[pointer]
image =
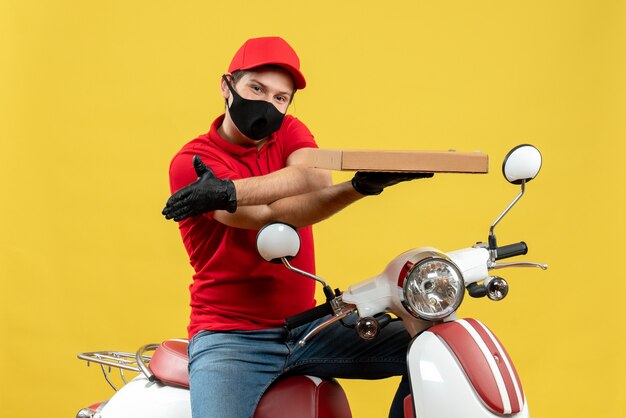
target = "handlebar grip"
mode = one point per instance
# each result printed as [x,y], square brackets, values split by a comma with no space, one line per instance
[511,250]
[308,316]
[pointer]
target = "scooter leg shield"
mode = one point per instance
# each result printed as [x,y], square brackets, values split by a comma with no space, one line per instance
[455,372]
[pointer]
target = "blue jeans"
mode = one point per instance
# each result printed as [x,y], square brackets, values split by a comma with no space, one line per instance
[229,371]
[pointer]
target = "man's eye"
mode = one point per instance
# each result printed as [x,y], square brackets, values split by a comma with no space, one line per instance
[281,99]
[257,89]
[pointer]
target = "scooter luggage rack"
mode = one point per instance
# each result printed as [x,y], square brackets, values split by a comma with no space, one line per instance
[114,359]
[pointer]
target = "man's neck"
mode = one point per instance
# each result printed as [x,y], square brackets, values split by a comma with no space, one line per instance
[229,132]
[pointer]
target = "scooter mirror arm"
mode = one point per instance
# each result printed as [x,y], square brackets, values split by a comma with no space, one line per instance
[302,272]
[328,291]
[492,236]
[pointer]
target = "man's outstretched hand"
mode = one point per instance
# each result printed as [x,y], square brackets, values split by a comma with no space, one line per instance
[374,182]
[206,194]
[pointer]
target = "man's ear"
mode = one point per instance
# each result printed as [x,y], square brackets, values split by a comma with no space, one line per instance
[223,87]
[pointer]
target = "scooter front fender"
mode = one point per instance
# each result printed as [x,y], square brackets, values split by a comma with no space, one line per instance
[459,368]
[141,398]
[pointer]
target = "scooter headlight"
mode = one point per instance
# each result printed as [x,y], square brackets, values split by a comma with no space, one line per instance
[433,288]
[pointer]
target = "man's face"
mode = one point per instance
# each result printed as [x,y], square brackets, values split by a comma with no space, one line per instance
[271,84]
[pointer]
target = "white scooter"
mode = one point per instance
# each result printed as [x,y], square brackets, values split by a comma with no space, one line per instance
[457,367]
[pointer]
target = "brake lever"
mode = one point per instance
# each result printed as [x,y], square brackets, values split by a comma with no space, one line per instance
[337,317]
[495,266]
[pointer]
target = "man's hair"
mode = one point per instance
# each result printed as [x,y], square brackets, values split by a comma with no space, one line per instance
[238,75]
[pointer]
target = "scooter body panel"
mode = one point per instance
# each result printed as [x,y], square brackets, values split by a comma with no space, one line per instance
[140,398]
[442,388]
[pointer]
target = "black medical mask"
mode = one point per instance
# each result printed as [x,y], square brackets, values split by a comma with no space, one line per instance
[256,119]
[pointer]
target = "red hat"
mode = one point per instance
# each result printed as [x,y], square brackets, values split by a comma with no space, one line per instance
[268,51]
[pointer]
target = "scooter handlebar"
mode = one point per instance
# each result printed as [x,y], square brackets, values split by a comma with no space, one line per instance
[308,316]
[511,250]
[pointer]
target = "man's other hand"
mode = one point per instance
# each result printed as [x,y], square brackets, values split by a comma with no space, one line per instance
[374,182]
[206,194]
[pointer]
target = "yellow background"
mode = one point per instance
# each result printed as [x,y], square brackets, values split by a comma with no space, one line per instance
[95,98]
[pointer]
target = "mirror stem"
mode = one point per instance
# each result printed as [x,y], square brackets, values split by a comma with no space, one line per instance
[328,291]
[492,236]
[302,272]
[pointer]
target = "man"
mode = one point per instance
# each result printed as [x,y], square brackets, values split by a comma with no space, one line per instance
[245,172]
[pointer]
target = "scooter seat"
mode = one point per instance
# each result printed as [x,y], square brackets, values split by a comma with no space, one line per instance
[290,396]
[304,397]
[169,363]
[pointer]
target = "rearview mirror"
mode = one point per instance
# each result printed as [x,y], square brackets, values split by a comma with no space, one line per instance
[521,164]
[276,241]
